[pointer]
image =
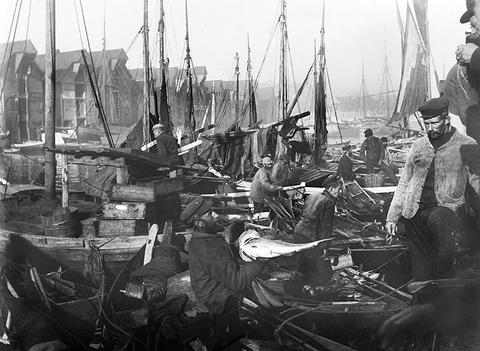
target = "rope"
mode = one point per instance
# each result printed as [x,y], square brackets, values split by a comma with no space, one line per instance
[333,101]
[459,70]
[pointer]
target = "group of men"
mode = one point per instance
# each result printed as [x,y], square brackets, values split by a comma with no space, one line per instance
[439,184]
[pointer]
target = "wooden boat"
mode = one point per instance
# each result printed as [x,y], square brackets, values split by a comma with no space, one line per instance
[48,253]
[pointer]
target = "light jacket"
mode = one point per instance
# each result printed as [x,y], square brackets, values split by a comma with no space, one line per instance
[457,163]
[262,184]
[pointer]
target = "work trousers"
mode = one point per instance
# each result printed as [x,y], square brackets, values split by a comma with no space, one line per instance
[431,238]
[370,166]
[221,331]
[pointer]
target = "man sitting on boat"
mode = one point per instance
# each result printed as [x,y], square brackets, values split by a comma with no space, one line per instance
[217,281]
[431,193]
[263,184]
[371,151]
[345,165]
[316,223]
[166,145]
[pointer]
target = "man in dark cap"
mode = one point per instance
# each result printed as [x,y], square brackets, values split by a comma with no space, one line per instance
[218,280]
[345,165]
[166,145]
[462,85]
[431,193]
[371,151]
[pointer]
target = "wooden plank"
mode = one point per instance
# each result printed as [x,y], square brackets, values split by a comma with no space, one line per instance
[133,193]
[124,210]
[101,161]
[152,236]
[121,227]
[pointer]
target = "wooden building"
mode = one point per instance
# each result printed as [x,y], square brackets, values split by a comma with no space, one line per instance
[177,92]
[22,100]
[120,95]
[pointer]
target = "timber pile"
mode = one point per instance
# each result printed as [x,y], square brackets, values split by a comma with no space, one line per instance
[124,214]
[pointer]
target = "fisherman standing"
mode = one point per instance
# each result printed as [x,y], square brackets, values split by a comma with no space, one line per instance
[318,213]
[431,193]
[217,281]
[345,165]
[166,145]
[262,185]
[371,150]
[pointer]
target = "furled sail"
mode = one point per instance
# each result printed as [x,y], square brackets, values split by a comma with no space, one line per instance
[414,83]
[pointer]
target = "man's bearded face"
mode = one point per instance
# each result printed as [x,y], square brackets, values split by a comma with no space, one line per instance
[435,126]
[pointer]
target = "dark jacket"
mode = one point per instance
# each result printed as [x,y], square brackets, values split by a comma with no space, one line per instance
[317,217]
[167,148]
[345,168]
[215,273]
[280,173]
[372,150]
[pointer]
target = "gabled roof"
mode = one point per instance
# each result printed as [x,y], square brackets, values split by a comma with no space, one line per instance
[16,47]
[173,73]
[65,59]
[217,84]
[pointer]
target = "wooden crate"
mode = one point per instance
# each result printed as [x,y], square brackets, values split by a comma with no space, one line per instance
[374,180]
[121,227]
[133,193]
[124,210]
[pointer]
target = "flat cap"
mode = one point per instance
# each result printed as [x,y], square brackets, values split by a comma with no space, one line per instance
[368,132]
[198,207]
[469,13]
[434,107]
[158,125]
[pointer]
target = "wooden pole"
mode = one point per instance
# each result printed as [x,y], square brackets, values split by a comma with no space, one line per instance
[161,46]
[237,90]
[64,181]
[50,162]
[146,76]
[27,102]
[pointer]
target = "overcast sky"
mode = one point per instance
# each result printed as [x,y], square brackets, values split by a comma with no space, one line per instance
[355,31]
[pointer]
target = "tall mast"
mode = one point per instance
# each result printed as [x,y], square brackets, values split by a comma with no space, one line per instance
[237,89]
[283,86]
[161,46]
[146,76]
[251,98]
[320,140]
[386,84]
[104,62]
[50,162]
[190,118]
[212,120]
[364,93]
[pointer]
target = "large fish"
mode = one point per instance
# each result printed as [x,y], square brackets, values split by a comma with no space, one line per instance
[252,246]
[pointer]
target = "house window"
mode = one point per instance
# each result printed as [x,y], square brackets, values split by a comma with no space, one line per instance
[116,106]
